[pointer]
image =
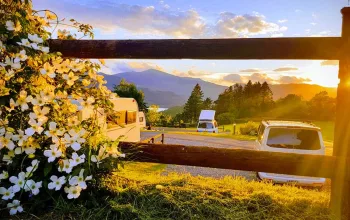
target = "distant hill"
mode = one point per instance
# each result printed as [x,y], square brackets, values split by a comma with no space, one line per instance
[174,110]
[306,90]
[167,90]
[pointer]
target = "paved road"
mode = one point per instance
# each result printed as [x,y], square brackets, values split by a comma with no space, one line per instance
[194,140]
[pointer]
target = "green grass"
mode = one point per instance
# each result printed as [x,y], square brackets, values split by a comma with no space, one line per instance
[140,191]
[327,128]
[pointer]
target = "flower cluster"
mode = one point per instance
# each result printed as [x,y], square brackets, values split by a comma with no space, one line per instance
[44,142]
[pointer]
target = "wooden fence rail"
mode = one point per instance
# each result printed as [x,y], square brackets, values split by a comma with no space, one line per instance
[237,159]
[318,48]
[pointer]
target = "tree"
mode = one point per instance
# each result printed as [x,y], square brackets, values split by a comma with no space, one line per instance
[153,115]
[266,97]
[322,107]
[129,90]
[193,105]
[207,104]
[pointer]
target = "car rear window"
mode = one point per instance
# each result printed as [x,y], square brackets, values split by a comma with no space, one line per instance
[294,138]
[206,125]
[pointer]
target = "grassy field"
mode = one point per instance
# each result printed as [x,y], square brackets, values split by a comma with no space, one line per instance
[140,192]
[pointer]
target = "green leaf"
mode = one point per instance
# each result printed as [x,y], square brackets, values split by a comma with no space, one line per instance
[47,169]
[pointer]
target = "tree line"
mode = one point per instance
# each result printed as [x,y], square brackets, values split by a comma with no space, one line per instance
[239,101]
[255,100]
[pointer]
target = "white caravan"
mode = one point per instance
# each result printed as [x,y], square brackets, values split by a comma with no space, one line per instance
[142,119]
[123,122]
[290,137]
[207,122]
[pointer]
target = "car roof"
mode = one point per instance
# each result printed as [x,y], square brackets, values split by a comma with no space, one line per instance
[286,123]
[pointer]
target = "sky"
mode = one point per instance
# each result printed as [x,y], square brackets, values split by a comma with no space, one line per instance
[165,19]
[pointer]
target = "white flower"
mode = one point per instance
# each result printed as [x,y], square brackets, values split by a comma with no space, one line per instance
[22,100]
[36,127]
[22,55]
[2,131]
[76,66]
[74,139]
[70,78]
[102,154]
[35,38]
[53,153]
[13,62]
[4,175]
[53,132]
[24,42]
[8,157]
[35,46]
[7,142]
[76,159]
[33,186]
[79,180]
[56,182]
[39,100]
[73,192]
[12,27]
[7,193]
[48,70]
[15,207]
[20,137]
[45,50]
[18,181]
[31,169]
[66,167]
[40,113]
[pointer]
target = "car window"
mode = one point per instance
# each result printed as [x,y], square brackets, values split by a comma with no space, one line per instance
[206,125]
[294,138]
[261,132]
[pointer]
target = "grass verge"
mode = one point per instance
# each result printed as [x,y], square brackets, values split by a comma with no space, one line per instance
[140,192]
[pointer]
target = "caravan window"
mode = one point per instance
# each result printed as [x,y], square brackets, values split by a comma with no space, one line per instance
[130,117]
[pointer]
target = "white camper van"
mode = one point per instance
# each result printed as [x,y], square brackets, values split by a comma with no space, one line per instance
[142,119]
[207,122]
[124,121]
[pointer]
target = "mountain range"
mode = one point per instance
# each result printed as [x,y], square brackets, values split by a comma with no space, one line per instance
[167,90]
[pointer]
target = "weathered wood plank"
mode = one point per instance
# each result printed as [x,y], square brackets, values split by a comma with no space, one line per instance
[340,194]
[319,48]
[237,159]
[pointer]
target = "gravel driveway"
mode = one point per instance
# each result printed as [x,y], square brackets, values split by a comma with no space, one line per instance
[194,140]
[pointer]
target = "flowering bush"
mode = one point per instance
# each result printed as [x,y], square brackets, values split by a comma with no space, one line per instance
[44,147]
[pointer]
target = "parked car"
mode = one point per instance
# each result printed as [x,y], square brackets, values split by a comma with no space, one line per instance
[290,137]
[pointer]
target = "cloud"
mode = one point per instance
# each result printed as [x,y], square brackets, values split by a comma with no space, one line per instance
[259,77]
[298,10]
[282,21]
[285,69]
[108,15]
[330,63]
[250,70]
[233,78]
[232,25]
[292,79]
[191,73]
[313,23]
[160,20]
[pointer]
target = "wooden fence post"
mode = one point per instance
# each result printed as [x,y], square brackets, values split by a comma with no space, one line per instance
[340,195]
